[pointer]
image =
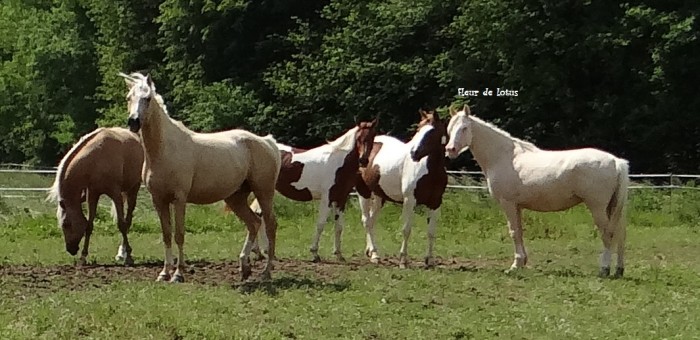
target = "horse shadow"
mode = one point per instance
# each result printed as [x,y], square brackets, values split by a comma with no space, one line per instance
[274,286]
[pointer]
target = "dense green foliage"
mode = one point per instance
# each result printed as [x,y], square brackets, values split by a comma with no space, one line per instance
[619,76]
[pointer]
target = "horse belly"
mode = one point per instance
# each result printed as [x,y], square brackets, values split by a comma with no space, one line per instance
[212,194]
[549,202]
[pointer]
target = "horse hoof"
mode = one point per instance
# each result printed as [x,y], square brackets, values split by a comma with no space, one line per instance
[619,272]
[340,257]
[604,272]
[316,259]
[511,270]
[129,261]
[177,278]
[429,263]
[163,277]
[118,258]
[266,276]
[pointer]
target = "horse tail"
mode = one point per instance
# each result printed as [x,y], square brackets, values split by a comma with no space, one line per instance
[618,204]
[273,145]
[54,191]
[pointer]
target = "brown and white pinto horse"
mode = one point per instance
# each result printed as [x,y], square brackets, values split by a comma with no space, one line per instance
[327,173]
[409,173]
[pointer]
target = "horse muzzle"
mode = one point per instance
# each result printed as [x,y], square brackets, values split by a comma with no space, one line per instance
[414,156]
[134,124]
[72,249]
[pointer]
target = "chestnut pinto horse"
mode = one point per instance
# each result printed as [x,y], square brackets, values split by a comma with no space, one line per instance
[327,173]
[409,173]
[183,166]
[105,161]
[522,176]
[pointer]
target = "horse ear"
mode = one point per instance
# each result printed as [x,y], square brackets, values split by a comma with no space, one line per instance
[466,109]
[149,81]
[354,118]
[452,111]
[127,79]
[423,114]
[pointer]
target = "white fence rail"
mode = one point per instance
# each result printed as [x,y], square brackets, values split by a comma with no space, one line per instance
[672,178]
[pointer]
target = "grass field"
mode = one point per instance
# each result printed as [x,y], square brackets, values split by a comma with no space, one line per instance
[42,295]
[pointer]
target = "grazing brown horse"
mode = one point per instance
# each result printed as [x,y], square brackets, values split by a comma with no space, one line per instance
[106,161]
[409,173]
[327,173]
[183,166]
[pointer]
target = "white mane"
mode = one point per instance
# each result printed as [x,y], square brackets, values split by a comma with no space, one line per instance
[346,142]
[54,192]
[524,144]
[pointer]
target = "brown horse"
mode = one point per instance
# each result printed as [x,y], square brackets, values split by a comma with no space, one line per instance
[183,166]
[106,161]
[410,173]
[326,173]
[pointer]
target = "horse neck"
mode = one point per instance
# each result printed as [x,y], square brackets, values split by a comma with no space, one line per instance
[436,159]
[489,145]
[155,131]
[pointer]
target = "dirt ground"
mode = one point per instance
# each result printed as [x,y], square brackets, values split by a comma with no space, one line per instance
[25,281]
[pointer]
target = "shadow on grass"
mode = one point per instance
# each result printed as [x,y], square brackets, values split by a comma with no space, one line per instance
[272,287]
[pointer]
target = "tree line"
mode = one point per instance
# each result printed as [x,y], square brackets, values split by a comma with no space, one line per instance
[619,76]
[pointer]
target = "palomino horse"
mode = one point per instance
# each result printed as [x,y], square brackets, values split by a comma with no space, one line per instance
[411,173]
[105,161]
[326,173]
[522,176]
[183,166]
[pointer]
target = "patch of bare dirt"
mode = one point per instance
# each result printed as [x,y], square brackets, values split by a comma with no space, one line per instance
[25,280]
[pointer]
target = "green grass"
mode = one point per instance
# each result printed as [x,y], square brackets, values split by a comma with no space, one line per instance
[558,296]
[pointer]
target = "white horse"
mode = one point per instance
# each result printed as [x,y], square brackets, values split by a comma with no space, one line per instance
[410,173]
[522,176]
[183,166]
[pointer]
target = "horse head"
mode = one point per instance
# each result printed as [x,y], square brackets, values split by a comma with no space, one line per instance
[430,137]
[364,139]
[460,132]
[141,93]
[72,222]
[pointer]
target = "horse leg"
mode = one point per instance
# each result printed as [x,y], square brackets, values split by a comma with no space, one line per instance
[339,224]
[259,244]
[409,204]
[370,211]
[620,238]
[323,211]
[179,206]
[238,203]
[131,205]
[433,216]
[163,209]
[266,198]
[92,200]
[260,248]
[514,215]
[118,214]
[601,220]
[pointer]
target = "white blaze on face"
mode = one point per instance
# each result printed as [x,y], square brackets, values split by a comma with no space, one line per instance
[140,91]
[458,130]
[418,138]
